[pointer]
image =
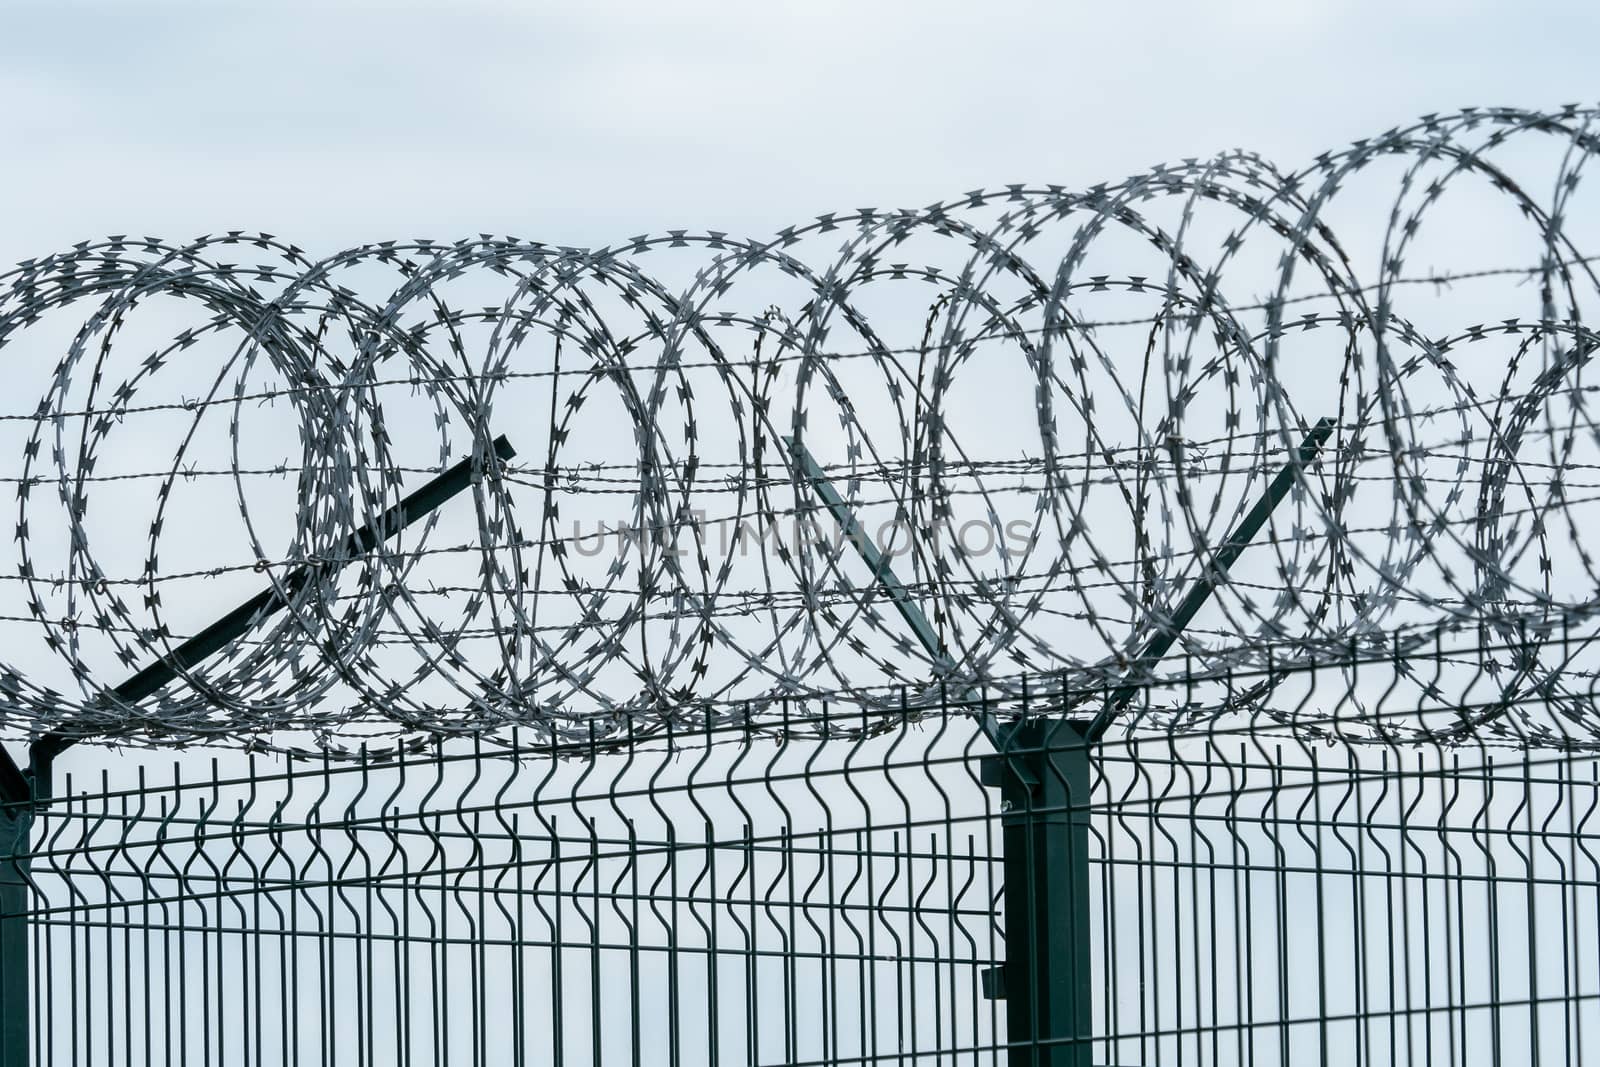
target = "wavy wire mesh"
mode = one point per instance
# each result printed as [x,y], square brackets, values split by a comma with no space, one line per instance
[1252,898]
[723,807]
[1050,405]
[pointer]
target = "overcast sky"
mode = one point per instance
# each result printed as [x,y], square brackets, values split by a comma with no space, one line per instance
[585,123]
[577,123]
[580,123]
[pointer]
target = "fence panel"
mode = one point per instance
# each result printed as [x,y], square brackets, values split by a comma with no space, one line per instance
[729,898]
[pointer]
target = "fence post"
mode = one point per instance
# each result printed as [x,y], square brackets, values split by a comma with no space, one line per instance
[1047,980]
[14,999]
[19,790]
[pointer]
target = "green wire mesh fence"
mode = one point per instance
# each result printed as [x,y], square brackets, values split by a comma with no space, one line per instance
[1244,895]
[976,475]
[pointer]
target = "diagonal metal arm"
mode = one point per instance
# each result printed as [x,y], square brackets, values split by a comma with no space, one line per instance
[426,499]
[1232,548]
[882,573]
[1046,779]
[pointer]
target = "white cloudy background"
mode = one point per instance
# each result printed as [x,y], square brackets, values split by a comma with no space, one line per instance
[580,123]
[332,125]
[577,123]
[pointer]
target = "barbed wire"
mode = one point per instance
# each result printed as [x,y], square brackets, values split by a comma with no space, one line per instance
[812,521]
[674,363]
[943,369]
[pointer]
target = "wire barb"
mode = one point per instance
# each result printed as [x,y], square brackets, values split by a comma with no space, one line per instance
[1045,410]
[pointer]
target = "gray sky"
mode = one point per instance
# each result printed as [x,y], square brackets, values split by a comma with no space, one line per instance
[332,125]
[335,123]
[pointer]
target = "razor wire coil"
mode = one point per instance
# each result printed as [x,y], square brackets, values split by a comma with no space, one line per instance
[952,372]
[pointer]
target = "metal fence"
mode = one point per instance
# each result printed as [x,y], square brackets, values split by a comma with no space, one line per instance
[1021,450]
[720,896]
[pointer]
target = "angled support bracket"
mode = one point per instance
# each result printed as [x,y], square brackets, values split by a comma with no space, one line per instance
[1044,772]
[20,790]
[1206,584]
[19,786]
[883,574]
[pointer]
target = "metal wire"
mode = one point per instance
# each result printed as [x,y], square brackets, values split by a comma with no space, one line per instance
[717,897]
[1092,384]
[626,755]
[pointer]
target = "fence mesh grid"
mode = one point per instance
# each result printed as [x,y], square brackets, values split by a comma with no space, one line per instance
[724,897]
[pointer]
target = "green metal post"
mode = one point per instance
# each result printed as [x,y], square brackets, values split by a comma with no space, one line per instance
[14,999]
[20,790]
[1048,973]
[1043,770]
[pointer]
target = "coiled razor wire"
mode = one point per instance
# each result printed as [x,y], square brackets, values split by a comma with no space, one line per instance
[1047,406]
